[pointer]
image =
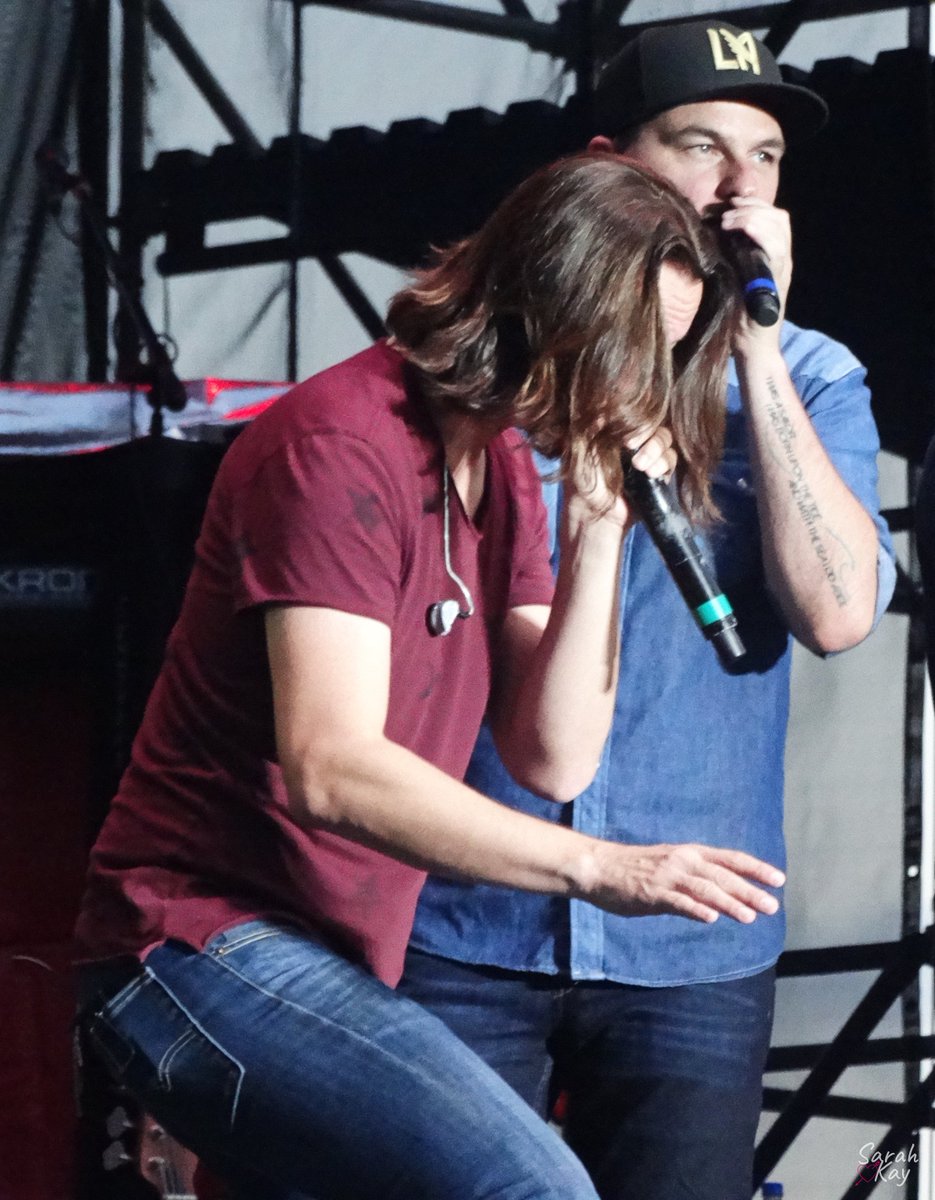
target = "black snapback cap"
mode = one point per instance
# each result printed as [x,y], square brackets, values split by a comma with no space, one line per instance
[669,65]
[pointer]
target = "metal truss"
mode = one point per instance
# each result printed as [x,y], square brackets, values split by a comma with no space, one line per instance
[584,34]
[898,964]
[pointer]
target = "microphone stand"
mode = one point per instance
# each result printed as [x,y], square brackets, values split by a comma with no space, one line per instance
[165,389]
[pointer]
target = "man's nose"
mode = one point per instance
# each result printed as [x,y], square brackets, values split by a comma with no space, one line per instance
[738,179]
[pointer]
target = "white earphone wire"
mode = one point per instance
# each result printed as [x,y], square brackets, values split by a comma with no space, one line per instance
[446,542]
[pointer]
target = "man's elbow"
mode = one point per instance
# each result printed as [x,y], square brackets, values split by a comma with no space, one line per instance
[837,631]
[311,790]
[558,780]
[565,787]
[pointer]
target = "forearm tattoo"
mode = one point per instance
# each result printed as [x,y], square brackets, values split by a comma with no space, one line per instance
[807,506]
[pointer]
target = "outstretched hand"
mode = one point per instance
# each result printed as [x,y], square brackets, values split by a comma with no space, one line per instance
[700,882]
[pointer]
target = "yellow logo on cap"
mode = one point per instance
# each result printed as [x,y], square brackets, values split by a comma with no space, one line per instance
[741,45]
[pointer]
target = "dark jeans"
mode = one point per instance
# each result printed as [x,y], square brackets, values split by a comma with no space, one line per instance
[662,1086]
[289,1070]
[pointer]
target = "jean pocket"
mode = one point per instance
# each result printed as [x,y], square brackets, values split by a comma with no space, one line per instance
[241,936]
[152,1046]
[109,1044]
[195,1070]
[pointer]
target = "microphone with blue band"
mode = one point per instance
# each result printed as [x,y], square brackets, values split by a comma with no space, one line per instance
[760,294]
[673,537]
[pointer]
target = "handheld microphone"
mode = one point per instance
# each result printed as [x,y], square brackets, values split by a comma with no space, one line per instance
[751,266]
[672,534]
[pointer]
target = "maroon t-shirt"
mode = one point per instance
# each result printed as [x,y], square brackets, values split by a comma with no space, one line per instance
[331,498]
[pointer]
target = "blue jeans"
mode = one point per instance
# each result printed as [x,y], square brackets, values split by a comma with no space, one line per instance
[288,1069]
[662,1086]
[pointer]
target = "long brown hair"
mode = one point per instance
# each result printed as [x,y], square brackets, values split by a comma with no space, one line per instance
[549,318]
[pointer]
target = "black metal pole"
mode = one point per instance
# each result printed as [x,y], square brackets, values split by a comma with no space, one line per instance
[296,206]
[764,16]
[132,134]
[538,35]
[93,123]
[163,23]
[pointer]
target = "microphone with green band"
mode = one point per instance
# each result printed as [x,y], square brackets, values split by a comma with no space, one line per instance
[672,534]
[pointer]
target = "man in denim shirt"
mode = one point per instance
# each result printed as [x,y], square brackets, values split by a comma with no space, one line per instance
[656,1029]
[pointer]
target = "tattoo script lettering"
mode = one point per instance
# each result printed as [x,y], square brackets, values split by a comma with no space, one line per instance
[805,502]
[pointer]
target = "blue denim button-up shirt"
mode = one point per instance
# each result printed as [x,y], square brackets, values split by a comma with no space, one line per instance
[695,753]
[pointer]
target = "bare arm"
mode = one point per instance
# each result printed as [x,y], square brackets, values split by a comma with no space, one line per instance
[330,673]
[819,543]
[553,702]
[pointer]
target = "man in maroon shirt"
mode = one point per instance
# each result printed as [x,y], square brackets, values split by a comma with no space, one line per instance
[371,576]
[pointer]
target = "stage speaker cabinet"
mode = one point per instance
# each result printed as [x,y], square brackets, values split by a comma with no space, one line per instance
[94,554]
[862,199]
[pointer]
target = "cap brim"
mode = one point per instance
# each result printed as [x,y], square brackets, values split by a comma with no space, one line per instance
[799,111]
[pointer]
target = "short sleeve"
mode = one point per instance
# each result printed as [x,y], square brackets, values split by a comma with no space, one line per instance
[319,523]
[832,385]
[531,579]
